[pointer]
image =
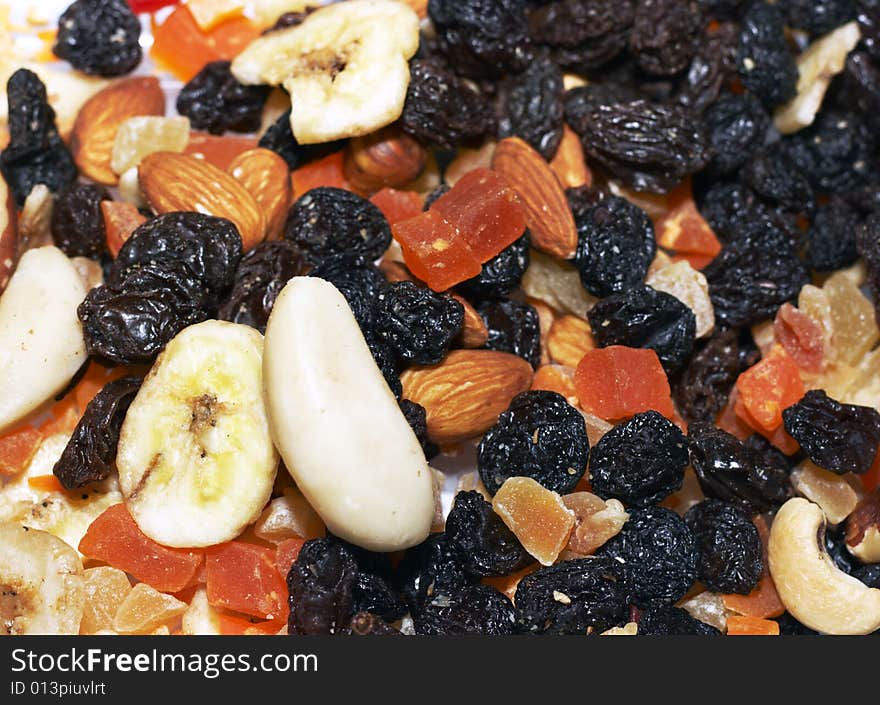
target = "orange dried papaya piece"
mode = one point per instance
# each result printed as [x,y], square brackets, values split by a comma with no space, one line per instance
[769,387]
[17,448]
[326,171]
[801,336]
[751,626]
[397,205]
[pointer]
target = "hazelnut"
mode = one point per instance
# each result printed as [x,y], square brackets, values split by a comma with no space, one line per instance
[384,158]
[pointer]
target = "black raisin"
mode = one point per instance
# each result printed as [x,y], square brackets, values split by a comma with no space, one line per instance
[662,619]
[578,596]
[259,278]
[481,38]
[753,276]
[441,109]
[359,280]
[540,436]
[730,547]
[418,324]
[279,138]
[501,274]
[476,609]
[737,126]
[374,594]
[434,196]
[36,154]
[209,247]
[704,386]
[320,586]
[659,554]
[665,35]
[99,37]
[723,9]
[789,626]
[77,222]
[835,547]
[532,107]
[831,239]
[819,16]
[513,327]
[368,624]
[416,417]
[868,574]
[91,451]
[430,570]
[290,19]
[838,437]
[769,174]
[868,245]
[386,361]
[765,62]
[329,221]
[581,24]
[581,101]
[215,101]
[616,245]
[483,543]
[639,462]
[649,147]
[646,318]
[728,469]
[713,68]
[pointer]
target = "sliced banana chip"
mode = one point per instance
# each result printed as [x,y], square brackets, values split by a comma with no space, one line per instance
[196,461]
[42,590]
[345,67]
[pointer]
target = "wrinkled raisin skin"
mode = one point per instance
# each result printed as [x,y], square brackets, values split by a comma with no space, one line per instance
[320,585]
[644,317]
[419,324]
[483,543]
[730,547]
[513,327]
[640,462]
[539,436]
[416,417]
[663,619]
[839,437]
[665,35]
[476,609]
[573,597]
[99,37]
[91,450]
[36,154]
[660,554]
[766,65]
[737,126]
[279,138]
[77,222]
[327,221]
[501,274]
[831,239]
[259,278]
[430,570]
[215,101]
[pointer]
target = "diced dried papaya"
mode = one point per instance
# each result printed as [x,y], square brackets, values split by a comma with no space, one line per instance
[727,419]
[138,6]
[231,624]
[210,13]
[871,479]
[616,382]
[751,626]
[397,205]
[769,387]
[555,378]
[537,516]
[286,553]
[244,577]
[801,336]
[17,448]
[763,602]
[219,150]
[45,483]
[434,251]
[507,583]
[146,609]
[684,230]
[485,210]
[114,538]
[120,221]
[326,171]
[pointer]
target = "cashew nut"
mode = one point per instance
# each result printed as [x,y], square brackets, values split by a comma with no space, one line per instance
[810,586]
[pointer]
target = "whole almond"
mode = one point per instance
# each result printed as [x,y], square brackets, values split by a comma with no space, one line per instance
[387,157]
[94,131]
[266,177]
[568,163]
[180,182]
[570,338]
[474,332]
[465,393]
[547,213]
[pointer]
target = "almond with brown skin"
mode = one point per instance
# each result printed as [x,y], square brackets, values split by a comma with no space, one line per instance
[387,157]
[474,332]
[570,338]
[548,216]
[180,182]
[568,163]
[94,131]
[266,177]
[465,393]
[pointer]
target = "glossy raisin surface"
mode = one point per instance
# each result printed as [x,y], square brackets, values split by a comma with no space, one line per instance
[416,417]
[540,436]
[77,223]
[483,543]
[662,619]
[279,138]
[320,586]
[513,327]
[737,126]
[431,570]
[359,280]
[99,37]
[91,451]
[501,274]
[215,101]
[665,35]
[839,437]
[640,462]
[831,239]
[476,609]
[573,597]
[765,62]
